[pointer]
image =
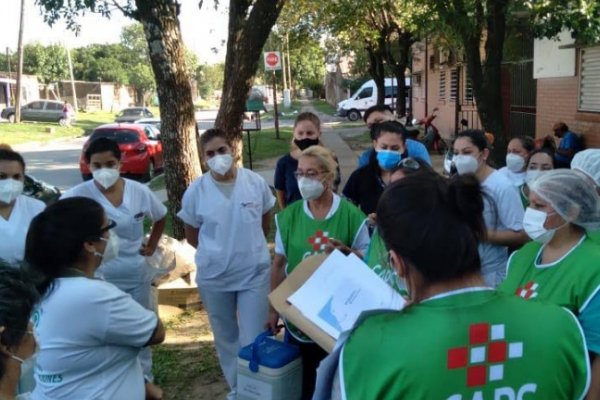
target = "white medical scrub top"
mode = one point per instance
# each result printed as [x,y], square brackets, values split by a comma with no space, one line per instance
[502,211]
[516,178]
[13,231]
[232,250]
[129,268]
[89,334]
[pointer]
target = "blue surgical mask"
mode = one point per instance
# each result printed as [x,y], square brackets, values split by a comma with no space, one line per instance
[388,159]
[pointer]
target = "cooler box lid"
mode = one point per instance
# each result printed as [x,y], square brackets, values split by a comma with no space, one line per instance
[270,353]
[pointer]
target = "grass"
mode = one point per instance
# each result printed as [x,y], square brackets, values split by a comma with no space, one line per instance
[265,145]
[284,113]
[40,131]
[358,142]
[324,107]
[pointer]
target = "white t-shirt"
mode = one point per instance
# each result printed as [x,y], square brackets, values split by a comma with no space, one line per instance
[516,178]
[129,268]
[89,334]
[361,241]
[14,230]
[232,250]
[503,211]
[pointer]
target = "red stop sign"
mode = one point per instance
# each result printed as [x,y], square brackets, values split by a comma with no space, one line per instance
[272,59]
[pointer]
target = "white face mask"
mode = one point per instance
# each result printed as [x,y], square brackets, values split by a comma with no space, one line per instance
[10,189]
[533,223]
[310,189]
[532,175]
[465,164]
[220,163]
[514,162]
[106,177]
[111,251]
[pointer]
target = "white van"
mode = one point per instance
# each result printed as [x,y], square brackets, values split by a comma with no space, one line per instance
[366,96]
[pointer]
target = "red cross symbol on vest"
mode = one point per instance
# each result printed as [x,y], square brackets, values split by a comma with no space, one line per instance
[529,291]
[319,241]
[485,354]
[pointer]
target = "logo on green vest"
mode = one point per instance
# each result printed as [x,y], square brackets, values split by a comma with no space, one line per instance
[528,291]
[319,241]
[485,355]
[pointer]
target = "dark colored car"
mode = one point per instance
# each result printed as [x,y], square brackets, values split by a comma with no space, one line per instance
[141,150]
[132,114]
[40,190]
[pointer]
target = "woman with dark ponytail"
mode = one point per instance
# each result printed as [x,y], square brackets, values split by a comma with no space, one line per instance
[457,339]
[89,331]
[503,209]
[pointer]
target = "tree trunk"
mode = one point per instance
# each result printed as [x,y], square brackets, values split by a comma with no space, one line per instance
[486,76]
[178,134]
[139,97]
[377,71]
[247,36]
[398,65]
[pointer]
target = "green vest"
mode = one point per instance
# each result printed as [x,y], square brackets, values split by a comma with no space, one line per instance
[570,282]
[478,344]
[377,259]
[303,236]
[594,236]
[524,198]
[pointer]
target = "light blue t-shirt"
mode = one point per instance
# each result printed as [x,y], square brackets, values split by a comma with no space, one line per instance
[590,323]
[502,211]
[414,148]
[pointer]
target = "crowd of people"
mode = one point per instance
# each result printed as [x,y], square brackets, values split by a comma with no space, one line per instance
[499,267]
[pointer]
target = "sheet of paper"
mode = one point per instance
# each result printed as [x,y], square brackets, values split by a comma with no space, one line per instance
[340,290]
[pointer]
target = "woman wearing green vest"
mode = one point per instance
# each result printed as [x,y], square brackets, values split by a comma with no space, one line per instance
[458,339]
[376,256]
[562,265]
[317,224]
[588,162]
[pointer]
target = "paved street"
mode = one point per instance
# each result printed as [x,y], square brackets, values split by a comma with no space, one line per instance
[56,163]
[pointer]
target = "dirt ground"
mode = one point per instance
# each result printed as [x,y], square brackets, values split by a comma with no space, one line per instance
[186,365]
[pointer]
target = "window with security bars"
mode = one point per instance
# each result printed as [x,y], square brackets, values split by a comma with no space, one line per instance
[589,83]
[469,97]
[442,94]
[453,84]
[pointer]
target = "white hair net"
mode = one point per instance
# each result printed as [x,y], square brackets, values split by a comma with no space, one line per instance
[588,162]
[571,195]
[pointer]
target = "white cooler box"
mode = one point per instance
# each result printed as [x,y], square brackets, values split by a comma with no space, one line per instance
[269,369]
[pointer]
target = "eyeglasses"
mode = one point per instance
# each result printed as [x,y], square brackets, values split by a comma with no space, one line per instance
[308,174]
[409,163]
[111,224]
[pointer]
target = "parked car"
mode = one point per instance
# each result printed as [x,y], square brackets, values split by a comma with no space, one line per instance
[42,111]
[141,150]
[149,121]
[40,190]
[132,114]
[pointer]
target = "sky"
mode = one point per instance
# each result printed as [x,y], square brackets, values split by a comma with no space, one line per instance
[202,30]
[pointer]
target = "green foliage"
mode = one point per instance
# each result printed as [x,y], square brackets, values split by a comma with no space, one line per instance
[581,17]
[48,63]
[209,78]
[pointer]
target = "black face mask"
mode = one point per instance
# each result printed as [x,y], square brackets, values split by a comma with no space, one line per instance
[304,144]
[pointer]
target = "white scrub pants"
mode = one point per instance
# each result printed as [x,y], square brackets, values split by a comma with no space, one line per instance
[143,295]
[236,318]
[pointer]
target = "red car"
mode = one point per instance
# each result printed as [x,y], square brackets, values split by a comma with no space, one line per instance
[141,150]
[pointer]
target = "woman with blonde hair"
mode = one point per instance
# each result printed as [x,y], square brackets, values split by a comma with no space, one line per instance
[317,224]
[307,133]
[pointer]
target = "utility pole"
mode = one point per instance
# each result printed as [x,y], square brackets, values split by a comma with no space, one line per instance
[10,91]
[20,64]
[72,79]
[289,74]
